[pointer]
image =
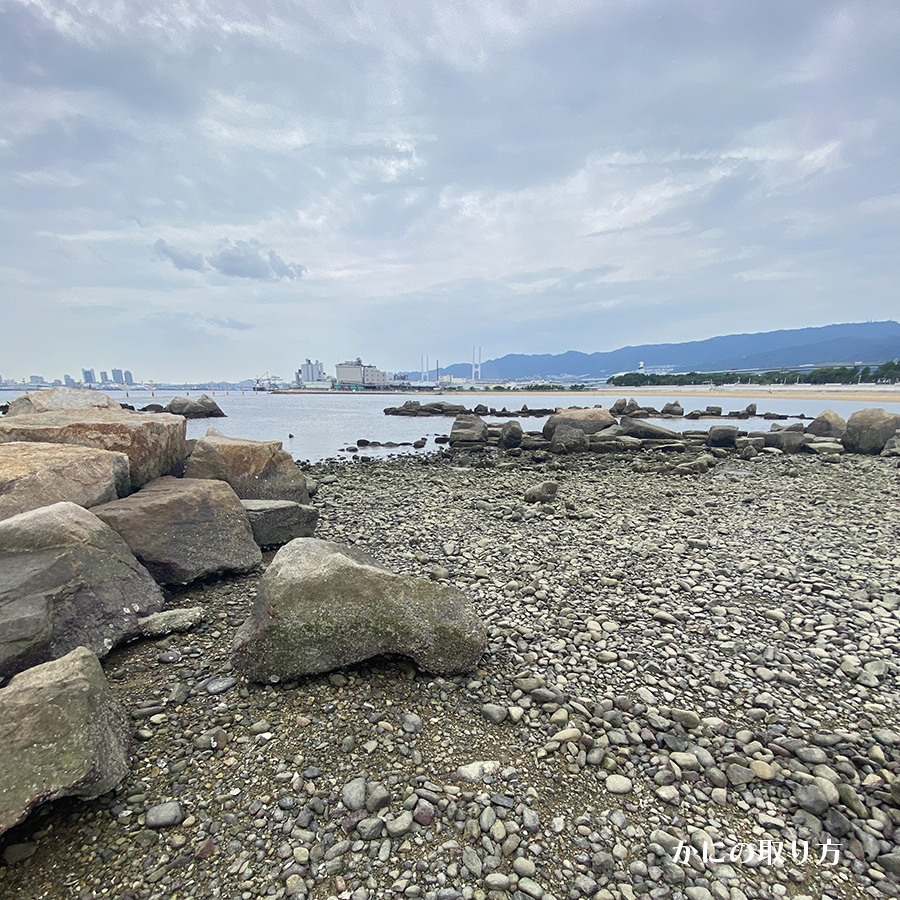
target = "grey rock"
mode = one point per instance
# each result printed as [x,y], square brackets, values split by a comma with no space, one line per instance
[545,492]
[511,435]
[157,624]
[400,825]
[468,428]
[321,606]
[567,439]
[182,529]
[353,794]
[827,424]
[164,815]
[67,580]
[722,435]
[811,798]
[61,735]
[587,421]
[868,430]
[60,400]
[275,522]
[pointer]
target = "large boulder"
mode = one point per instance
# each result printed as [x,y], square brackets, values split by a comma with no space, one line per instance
[276,522]
[67,580]
[154,444]
[61,735]
[256,470]
[645,430]
[511,435]
[322,606]
[589,421]
[182,529]
[35,474]
[827,424]
[202,408]
[60,400]
[722,436]
[567,439]
[868,430]
[468,429]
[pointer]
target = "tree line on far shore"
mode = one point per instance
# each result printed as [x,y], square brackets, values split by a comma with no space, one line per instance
[886,373]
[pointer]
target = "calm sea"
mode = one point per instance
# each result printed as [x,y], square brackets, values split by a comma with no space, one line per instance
[322,424]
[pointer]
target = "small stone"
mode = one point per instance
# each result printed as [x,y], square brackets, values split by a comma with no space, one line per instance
[618,784]
[164,815]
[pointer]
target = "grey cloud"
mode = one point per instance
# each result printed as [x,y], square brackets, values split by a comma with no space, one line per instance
[251,259]
[181,259]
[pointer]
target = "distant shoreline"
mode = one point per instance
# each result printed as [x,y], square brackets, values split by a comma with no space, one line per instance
[879,393]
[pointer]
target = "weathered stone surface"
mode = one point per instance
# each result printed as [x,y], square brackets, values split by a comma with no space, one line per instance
[321,606]
[788,441]
[184,528]
[60,399]
[153,443]
[66,580]
[256,470]
[275,522]
[511,435]
[589,421]
[673,409]
[722,435]
[35,474]
[61,735]
[545,492]
[202,408]
[567,439]
[645,430]
[827,424]
[468,428]
[868,430]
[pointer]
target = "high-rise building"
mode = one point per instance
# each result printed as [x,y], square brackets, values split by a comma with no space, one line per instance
[87,376]
[311,371]
[35,379]
[104,377]
[128,378]
[117,376]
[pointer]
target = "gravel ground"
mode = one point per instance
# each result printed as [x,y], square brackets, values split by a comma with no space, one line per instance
[676,666]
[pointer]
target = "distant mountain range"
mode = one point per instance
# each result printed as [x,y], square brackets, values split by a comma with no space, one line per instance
[866,342]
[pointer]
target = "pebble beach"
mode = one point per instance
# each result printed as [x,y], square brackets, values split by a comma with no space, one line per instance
[689,682]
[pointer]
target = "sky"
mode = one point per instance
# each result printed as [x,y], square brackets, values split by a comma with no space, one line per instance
[217,189]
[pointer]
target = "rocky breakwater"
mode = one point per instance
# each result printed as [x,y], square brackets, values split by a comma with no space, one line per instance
[75,583]
[689,690]
[154,444]
[418,409]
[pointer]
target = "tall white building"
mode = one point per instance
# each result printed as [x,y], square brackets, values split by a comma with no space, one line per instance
[311,372]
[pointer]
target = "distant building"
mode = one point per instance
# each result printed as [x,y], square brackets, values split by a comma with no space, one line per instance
[311,372]
[69,380]
[117,376]
[128,378]
[88,376]
[104,377]
[355,373]
[35,379]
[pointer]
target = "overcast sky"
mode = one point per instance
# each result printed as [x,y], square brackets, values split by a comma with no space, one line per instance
[219,189]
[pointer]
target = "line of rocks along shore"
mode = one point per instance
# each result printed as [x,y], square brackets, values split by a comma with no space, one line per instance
[710,660]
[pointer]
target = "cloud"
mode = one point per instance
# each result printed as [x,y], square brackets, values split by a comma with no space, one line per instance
[251,259]
[181,259]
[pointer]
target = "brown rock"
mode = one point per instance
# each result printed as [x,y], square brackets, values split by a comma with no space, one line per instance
[868,430]
[36,474]
[256,470]
[153,443]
